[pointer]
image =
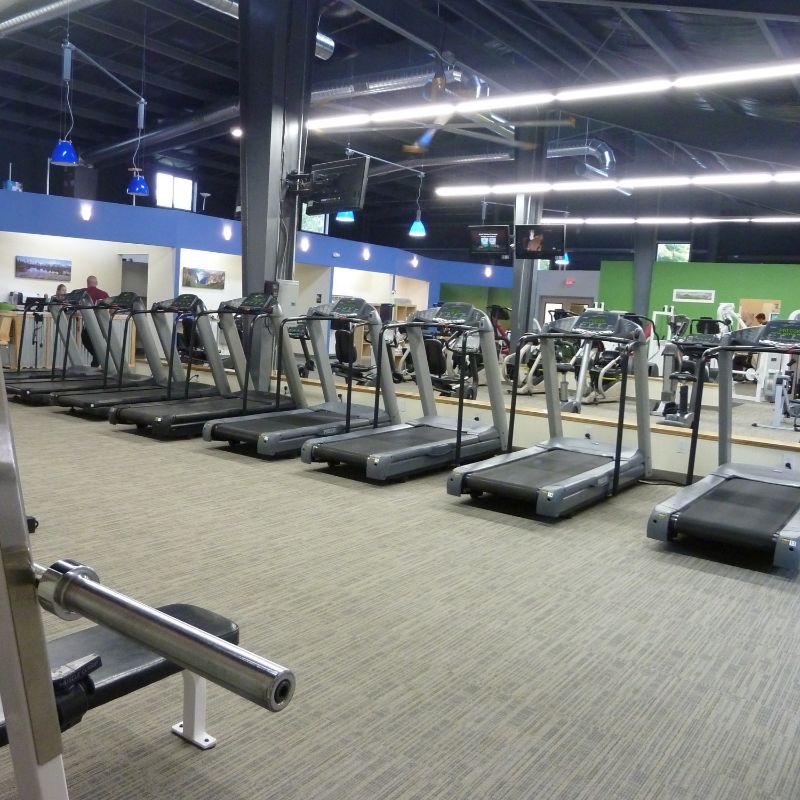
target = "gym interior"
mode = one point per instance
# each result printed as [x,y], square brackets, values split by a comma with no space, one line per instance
[399,400]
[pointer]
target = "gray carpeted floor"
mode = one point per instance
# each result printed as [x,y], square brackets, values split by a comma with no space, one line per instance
[443,649]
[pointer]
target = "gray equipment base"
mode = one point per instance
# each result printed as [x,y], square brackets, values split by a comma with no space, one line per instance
[284,432]
[424,444]
[98,403]
[558,477]
[740,505]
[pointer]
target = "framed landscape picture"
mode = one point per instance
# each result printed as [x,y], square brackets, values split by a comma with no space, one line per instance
[203,278]
[44,269]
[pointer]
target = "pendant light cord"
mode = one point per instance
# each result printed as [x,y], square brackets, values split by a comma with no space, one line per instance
[141,130]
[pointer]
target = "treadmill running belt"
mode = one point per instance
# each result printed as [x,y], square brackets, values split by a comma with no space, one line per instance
[393,440]
[740,512]
[248,430]
[522,479]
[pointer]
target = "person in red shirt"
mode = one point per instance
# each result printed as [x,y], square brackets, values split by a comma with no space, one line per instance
[96,294]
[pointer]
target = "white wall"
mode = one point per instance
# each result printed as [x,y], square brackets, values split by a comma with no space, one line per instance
[88,257]
[313,280]
[374,287]
[412,289]
[202,259]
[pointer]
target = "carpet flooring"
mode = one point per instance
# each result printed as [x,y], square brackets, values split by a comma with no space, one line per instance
[443,649]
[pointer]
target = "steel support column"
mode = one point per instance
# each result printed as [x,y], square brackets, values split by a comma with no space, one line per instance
[645,246]
[529,166]
[277,40]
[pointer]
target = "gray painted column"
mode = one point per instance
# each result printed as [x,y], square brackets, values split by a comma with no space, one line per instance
[645,246]
[529,166]
[277,39]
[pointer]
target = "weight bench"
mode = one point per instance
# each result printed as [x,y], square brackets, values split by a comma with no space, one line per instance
[95,666]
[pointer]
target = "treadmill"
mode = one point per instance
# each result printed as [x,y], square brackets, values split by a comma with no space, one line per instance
[186,417]
[75,365]
[562,475]
[431,441]
[96,320]
[283,432]
[155,331]
[744,505]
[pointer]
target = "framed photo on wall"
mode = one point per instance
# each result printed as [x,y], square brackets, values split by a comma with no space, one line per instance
[42,269]
[203,278]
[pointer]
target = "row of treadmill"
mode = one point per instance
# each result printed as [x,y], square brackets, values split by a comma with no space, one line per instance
[751,506]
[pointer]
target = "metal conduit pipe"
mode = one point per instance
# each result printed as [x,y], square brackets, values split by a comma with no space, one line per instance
[585,148]
[59,8]
[440,161]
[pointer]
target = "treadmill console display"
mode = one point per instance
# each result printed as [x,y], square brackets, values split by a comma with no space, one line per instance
[75,297]
[257,303]
[122,301]
[605,323]
[781,332]
[350,307]
[182,304]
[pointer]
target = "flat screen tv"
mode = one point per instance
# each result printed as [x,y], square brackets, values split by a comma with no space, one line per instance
[490,242]
[337,186]
[539,241]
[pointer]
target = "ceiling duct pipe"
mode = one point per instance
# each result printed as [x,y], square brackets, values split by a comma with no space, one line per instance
[325,45]
[60,8]
[586,148]
[439,161]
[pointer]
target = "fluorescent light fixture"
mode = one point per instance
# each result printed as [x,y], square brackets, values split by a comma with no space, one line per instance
[429,111]
[645,182]
[584,186]
[589,92]
[487,271]
[340,121]
[227,232]
[654,183]
[614,90]
[505,101]
[365,254]
[86,211]
[747,75]
[777,220]
[610,221]
[563,221]
[732,179]
[237,132]
[663,221]
[305,244]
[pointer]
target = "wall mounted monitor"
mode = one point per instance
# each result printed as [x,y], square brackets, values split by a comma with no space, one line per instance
[539,241]
[490,242]
[673,251]
[337,186]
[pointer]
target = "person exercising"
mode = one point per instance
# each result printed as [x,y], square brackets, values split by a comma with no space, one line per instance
[96,293]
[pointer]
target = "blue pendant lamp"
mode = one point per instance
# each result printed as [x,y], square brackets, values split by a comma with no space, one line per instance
[138,186]
[345,216]
[64,154]
[417,229]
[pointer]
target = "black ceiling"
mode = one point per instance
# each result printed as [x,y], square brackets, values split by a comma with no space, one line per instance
[190,60]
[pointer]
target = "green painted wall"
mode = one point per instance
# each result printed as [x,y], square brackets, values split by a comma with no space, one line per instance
[731,282]
[616,284]
[479,296]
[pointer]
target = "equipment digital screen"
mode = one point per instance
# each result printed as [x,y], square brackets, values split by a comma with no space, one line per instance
[348,307]
[256,301]
[600,323]
[124,300]
[489,241]
[454,312]
[781,332]
[75,296]
[182,303]
[539,241]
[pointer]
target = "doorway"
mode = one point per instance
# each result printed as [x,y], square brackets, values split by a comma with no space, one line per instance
[574,305]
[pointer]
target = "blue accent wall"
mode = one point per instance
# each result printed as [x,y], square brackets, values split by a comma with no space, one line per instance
[25,212]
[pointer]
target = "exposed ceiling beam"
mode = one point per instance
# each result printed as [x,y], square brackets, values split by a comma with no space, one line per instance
[218,25]
[119,69]
[44,123]
[778,10]
[507,34]
[431,33]
[777,42]
[167,50]
[79,87]
[572,30]
[654,38]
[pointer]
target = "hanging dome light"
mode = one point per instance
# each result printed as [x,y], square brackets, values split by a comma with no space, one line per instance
[138,186]
[417,229]
[64,154]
